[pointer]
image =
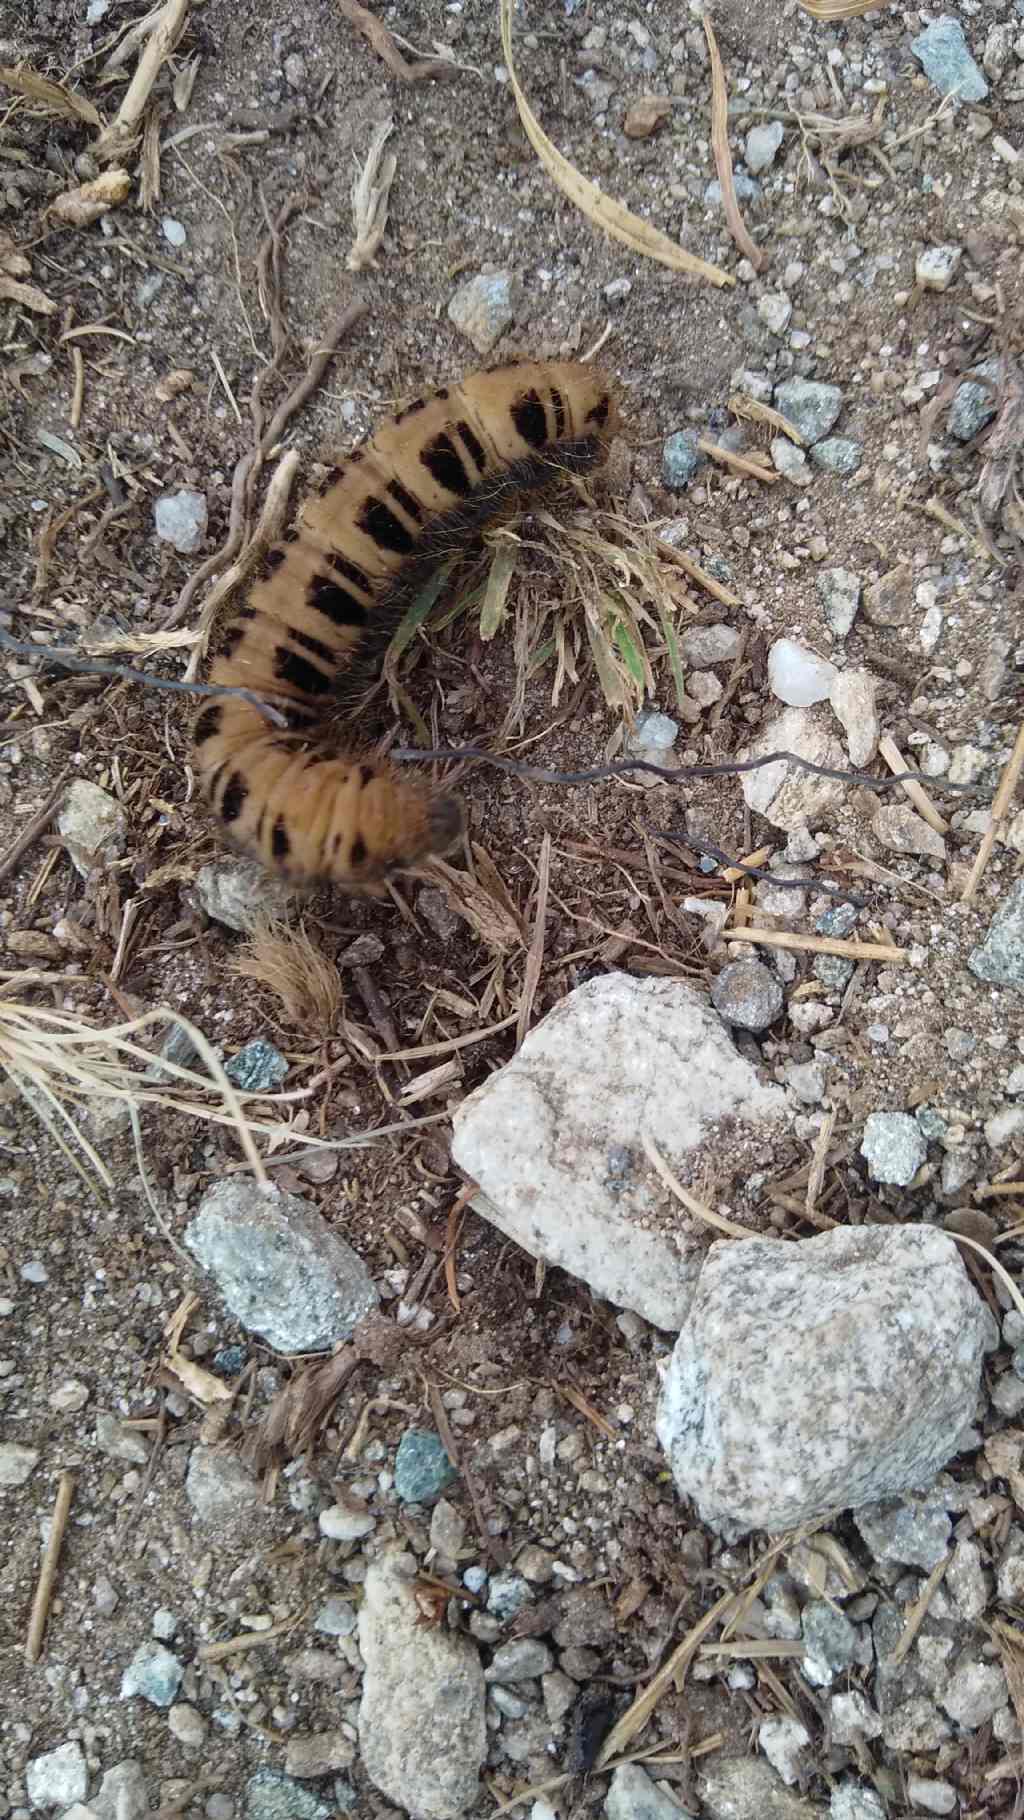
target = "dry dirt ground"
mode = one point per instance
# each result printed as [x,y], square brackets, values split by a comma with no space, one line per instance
[282,108]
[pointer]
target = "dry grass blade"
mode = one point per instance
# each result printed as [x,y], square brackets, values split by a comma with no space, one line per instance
[1003,797]
[723,157]
[291,965]
[916,792]
[1004,1276]
[376,34]
[494,606]
[370,194]
[535,957]
[829,11]
[1010,1645]
[620,223]
[486,915]
[53,97]
[643,1706]
[741,405]
[919,1610]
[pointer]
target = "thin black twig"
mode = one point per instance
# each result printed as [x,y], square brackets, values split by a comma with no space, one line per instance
[57,654]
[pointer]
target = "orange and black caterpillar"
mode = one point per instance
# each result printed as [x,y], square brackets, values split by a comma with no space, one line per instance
[330,596]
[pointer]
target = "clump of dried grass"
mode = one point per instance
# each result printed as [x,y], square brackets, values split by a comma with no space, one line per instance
[291,965]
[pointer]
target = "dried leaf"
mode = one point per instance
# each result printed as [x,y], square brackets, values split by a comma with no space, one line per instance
[28,295]
[370,200]
[77,208]
[179,379]
[486,915]
[199,1382]
[618,222]
[51,95]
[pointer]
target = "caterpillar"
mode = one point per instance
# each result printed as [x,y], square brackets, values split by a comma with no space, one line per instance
[303,799]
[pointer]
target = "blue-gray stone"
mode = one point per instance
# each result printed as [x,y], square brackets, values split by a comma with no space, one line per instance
[933,1125]
[941,49]
[230,1360]
[999,959]
[833,970]
[422,1467]
[828,1635]
[809,405]
[507,1594]
[746,190]
[271,1795]
[893,1147]
[974,404]
[838,454]
[837,922]
[257,1067]
[154,1673]
[680,459]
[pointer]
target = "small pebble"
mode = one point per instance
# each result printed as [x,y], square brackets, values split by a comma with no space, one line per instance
[680,459]
[775,311]
[762,144]
[893,1147]
[422,1467]
[481,309]
[839,591]
[809,405]
[941,49]
[173,232]
[187,1725]
[937,267]
[745,993]
[838,455]
[181,519]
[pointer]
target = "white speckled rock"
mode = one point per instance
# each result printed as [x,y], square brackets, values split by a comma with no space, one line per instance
[555,1138]
[787,797]
[823,1375]
[422,1730]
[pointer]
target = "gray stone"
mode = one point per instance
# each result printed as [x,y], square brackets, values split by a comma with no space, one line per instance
[851,1313]
[17,1463]
[283,1272]
[57,1778]
[837,454]
[833,970]
[839,592]
[854,1719]
[788,797]
[852,699]
[522,1659]
[705,645]
[318,1753]
[829,1640]
[809,405]
[240,893]
[806,1080]
[153,1673]
[775,311]
[855,1801]
[652,735]
[124,1794]
[186,1724]
[784,1742]
[790,462]
[681,459]
[257,1067]
[174,233]
[747,1788]
[422,1730]
[93,824]
[902,830]
[893,1146]
[936,267]
[119,1442]
[346,1522]
[746,190]
[941,49]
[422,1467]
[999,46]
[554,1139]
[181,519]
[762,144]
[336,1617]
[634,1795]
[507,1594]
[999,959]
[272,1795]
[934,1796]
[909,1532]
[915,1726]
[481,309]
[746,993]
[975,1693]
[975,403]
[220,1488]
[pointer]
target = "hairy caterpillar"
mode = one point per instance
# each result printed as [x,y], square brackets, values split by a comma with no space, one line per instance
[302,798]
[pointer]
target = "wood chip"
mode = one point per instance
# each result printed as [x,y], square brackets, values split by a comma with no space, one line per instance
[79,207]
